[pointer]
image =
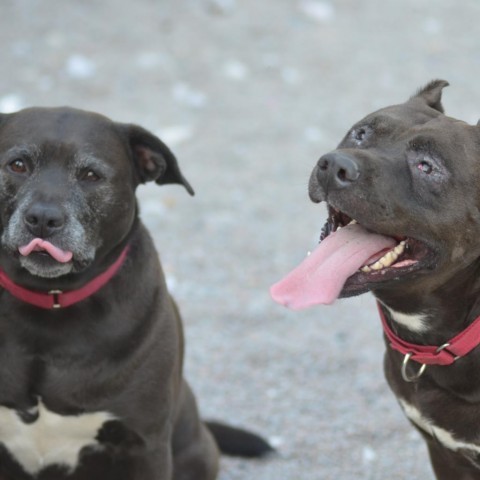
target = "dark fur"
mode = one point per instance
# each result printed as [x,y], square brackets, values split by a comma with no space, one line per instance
[119,350]
[383,184]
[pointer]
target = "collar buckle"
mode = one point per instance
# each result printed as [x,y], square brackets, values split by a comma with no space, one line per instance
[445,347]
[56,299]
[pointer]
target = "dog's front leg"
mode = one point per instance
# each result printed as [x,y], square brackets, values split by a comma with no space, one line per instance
[156,465]
[451,465]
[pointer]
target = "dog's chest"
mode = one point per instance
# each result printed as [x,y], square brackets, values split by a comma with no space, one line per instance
[51,438]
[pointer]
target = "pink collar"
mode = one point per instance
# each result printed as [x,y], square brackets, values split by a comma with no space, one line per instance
[58,298]
[445,354]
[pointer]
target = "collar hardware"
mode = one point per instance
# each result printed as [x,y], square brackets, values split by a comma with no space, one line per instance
[445,354]
[56,300]
[405,375]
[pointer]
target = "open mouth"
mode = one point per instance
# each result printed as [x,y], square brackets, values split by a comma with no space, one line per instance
[407,255]
[350,259]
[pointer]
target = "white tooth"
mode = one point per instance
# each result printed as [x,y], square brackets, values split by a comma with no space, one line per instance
[309,253]
[386,261]
[352,222]
[390,257]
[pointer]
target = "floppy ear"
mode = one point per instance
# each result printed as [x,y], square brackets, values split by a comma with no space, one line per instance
[431,94]
[153,159]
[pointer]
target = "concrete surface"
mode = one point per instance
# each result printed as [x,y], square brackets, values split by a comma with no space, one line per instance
[248,94]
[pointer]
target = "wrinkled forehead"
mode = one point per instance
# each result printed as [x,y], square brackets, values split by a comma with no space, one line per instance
[67,126]
[397,129]
[399,122]
[403,116]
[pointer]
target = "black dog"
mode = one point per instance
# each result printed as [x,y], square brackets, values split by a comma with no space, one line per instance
[405,186]
[91,342]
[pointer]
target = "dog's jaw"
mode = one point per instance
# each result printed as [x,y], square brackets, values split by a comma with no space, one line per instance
[44,266]
[44,259]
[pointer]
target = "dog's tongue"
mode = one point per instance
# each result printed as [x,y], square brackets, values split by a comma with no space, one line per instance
[319,279]
[40,245]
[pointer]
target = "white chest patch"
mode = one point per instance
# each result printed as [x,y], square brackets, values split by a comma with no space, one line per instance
[51,439]
[443,436]
[415,322]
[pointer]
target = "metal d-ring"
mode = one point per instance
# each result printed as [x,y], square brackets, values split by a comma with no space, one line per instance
[442,347]
[416,376]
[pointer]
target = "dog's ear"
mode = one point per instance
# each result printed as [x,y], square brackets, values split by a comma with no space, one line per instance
[431,94]
[153,159]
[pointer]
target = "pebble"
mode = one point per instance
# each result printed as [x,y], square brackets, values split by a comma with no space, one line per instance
[175,134]
[318,11]
[313,135]
[368,454]
[276,442]
[291,76]
[150,60]
[235,70]
[185,94]
[432,26]
[11,103]
[81,67]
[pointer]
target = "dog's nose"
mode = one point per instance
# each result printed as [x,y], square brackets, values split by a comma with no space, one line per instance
[337,170]
[44,219]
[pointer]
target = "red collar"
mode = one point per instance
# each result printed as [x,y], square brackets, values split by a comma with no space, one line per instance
[444,354]
[58,298]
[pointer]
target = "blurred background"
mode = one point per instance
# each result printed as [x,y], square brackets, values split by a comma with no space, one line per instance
[249,94]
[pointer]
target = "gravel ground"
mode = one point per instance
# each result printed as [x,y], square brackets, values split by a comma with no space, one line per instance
[249,94]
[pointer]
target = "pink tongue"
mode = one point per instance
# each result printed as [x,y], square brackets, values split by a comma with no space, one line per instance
[319,279]
[40,245]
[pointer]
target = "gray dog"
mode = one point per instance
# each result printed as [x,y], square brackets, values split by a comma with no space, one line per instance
[91,344]
[403,194]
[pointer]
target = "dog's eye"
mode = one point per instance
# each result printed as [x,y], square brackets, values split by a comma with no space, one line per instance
[425,167]
[18,166]
[360,134]
[90,176]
